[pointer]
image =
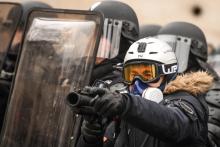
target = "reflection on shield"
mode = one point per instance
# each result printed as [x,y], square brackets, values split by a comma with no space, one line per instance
[110,40]
[9,17]
[57,56]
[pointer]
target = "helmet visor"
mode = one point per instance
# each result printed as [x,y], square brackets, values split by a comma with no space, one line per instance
[110,40]
[181,47]
[144,72]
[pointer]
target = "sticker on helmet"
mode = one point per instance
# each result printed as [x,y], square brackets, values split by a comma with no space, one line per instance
[170,70]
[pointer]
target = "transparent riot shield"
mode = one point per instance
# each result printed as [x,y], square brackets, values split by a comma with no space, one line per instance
[10,14]
[57,56]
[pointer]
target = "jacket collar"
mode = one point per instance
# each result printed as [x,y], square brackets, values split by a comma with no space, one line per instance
[195,83]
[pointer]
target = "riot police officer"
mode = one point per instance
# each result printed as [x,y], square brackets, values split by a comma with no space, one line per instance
[121,28]
[191,49]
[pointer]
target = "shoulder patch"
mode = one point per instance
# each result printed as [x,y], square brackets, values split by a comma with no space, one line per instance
[186,108]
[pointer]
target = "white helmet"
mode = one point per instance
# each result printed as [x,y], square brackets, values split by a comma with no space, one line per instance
[151,49]
[152,56]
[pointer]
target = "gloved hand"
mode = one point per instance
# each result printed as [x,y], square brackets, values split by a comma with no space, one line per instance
[92,132]
[107,104]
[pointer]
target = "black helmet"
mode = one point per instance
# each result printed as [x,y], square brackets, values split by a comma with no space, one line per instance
[14,12]
[120,11]
[149,30]
[189,30]
[190,46]
[28,6]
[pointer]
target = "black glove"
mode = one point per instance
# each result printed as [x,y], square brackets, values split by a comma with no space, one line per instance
[92,132]
[106,103]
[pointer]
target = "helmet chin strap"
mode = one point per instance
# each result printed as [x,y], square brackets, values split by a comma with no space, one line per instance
[166,80]
[162,85]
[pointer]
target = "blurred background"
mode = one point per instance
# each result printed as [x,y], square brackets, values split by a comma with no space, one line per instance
[200,12]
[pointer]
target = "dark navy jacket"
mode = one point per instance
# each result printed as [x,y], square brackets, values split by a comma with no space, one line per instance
[179,121]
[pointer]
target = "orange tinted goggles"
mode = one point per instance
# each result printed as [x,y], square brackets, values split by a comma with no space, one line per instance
[145,72]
